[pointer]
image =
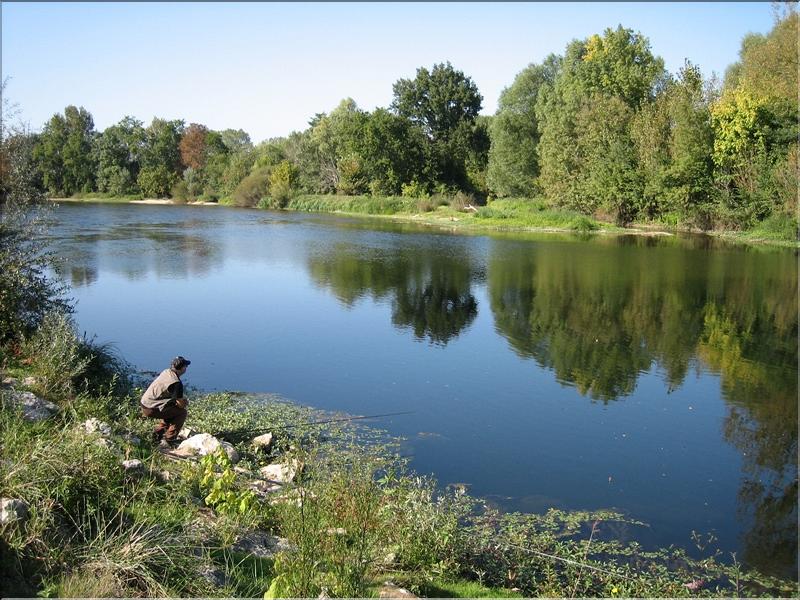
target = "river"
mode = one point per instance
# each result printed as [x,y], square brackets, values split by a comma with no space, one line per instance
[655,376]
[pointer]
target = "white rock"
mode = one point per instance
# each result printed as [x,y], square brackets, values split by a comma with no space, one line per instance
[96,426]
[263,442]
[29,381]
[186,432]
[133,466]
[205,443]
[9,381]
[12,510]
[242,471]
[281,472]
[233,455]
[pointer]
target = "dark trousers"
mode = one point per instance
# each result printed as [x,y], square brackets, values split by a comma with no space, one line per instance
[172,418]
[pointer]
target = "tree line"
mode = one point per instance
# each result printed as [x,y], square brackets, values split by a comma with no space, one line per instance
[603,129]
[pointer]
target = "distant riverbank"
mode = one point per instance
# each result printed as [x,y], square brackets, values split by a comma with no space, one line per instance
[510,215]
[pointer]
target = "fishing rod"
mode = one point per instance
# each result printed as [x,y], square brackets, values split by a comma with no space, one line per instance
[308,424]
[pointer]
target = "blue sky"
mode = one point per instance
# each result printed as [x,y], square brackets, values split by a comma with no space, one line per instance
[268,68]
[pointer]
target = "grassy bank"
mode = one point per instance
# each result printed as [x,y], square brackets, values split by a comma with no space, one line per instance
[459,213]
[352,518]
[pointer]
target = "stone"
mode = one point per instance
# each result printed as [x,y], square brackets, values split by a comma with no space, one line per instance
[281,472]
[261,544]
[390,590]
[12,510]
[186,432]
[205,443]
[233,455]
[264,488]
[108,445]
[133,466]
[263,442]
[213,576]
[29,381]
[94,425]
[165,476]
[33,408]
[246,473]
[133,440]
[9,381]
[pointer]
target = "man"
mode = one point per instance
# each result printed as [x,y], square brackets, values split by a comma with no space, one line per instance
[164,400]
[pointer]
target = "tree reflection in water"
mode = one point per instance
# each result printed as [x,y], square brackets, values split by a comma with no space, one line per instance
[429,293]
[600,314]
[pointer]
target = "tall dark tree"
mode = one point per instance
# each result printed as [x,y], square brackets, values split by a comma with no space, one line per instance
[444,103]
[64,152]
[513,158]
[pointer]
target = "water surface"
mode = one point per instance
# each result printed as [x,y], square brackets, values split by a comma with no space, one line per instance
[656,376]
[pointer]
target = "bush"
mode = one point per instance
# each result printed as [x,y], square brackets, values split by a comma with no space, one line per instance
[156,182]
[252,188]
[583,224]
[414,189]
[64,364]
[281,182]
[180,192]
[462,201]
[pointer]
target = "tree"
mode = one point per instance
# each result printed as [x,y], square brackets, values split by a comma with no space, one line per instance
[64,152]
[615,72]
[161,157]
[756,127]
[444,103]
[335,140]
[395,152]
[513,161]
[118,154]
[674,140]
[193,146]
[27,293]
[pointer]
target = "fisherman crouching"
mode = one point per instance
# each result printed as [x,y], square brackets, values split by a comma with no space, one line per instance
[164,400]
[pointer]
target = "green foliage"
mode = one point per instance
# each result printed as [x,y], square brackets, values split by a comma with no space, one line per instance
[156,182]
[64,151]
[414,189]
[444,103]
[281,181]
[216,481]
[252,188]
[118,152]
[27,293]
[513,160]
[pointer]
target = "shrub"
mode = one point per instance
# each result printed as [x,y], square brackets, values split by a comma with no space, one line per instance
[281,182]
[156,182]
[54,352]
[462,201]
[414,189]
[583,224]
[252,188]
[180,192]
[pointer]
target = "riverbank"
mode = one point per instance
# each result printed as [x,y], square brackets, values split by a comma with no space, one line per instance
[262,498]
[507,215]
